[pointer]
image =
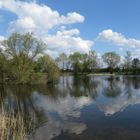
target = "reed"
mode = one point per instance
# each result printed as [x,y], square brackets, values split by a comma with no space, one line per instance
[13,126]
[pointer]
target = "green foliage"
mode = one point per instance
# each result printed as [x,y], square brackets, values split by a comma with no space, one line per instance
[21,50]
[111,59]
[91,61]
[48,65]
[76,61]
[22,67]
[128,60]
[22,61]
[135,63]
[62,59]
[38,78]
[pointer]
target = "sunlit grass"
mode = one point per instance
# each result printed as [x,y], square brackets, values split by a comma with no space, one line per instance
[13,126]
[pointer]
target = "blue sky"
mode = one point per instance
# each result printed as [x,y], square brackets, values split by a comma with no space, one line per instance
[117,22]
[119,15]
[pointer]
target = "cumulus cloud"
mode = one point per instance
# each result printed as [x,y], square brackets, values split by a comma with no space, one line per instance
[41,19]
[118,39]
[68,41]
[25,24]
[41,16]
[73,32]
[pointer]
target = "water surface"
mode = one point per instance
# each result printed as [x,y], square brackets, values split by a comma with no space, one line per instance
[91,108]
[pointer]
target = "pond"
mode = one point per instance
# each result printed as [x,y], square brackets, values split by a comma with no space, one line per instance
[79,108]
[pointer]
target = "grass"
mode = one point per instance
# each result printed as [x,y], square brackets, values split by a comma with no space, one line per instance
[12,126]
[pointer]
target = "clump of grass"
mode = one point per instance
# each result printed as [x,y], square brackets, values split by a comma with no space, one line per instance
[12,126]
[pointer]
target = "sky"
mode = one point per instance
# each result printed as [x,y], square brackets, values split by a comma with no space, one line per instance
[75,25]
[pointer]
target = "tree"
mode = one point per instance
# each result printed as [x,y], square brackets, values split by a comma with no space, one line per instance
[135,64]
[111,59]
[3,67]
[76,62]
[128,59]
[48,65]
[92,60]
[22,50]
[63,60]
[85,62]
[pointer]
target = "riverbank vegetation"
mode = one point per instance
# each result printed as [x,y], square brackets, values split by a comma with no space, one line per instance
[92,63]
[13,125]
[23,60]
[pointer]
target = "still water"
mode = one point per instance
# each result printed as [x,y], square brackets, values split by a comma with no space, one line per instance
[82,108]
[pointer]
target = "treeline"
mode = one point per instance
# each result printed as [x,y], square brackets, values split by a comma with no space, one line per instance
[109,62]
[22,60]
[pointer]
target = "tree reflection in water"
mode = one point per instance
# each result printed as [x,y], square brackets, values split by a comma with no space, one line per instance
[58,108]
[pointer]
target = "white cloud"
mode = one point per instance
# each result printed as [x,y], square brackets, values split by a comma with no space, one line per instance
[41,19]
[67,41]
[27,24]
[40,15]
[118,39]
[73,32]
[72,18]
